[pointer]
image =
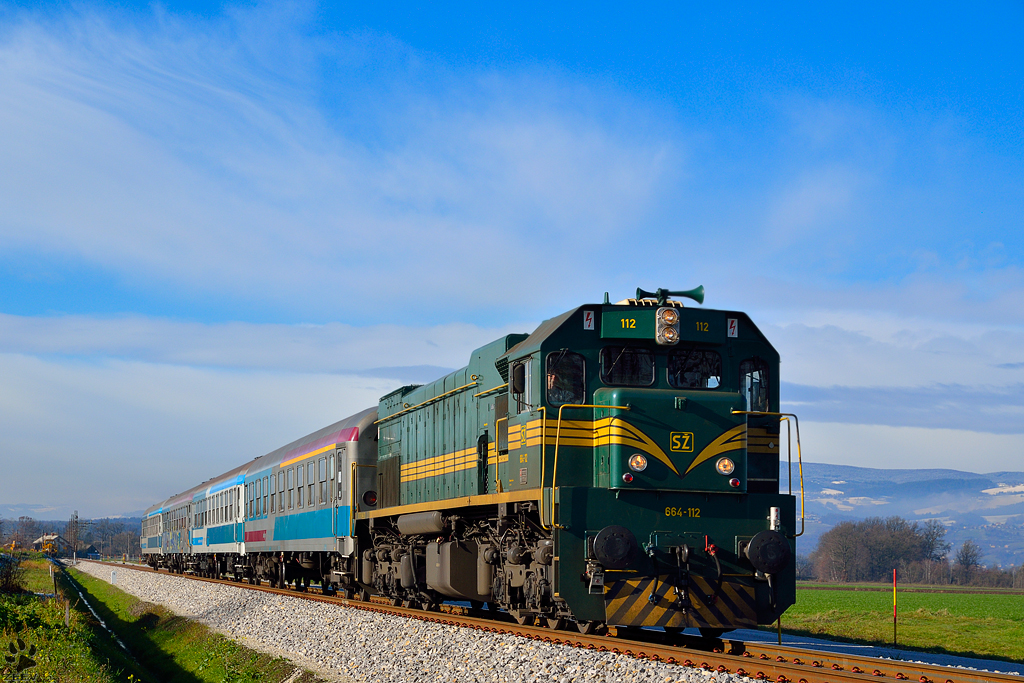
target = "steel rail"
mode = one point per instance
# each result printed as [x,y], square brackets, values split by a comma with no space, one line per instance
[760,661]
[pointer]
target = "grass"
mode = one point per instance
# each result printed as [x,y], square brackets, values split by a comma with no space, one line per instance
[74,653]
[162,646]
[37,576]
[908,588]
[990,626]
[179,650]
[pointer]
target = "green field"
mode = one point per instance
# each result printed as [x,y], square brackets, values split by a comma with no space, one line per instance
[990,626]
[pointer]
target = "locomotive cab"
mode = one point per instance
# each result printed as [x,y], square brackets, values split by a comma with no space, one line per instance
[653,430]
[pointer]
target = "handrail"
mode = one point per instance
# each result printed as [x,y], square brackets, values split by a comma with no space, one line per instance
[554,468]
[487,391]
[429,400]
[799,457]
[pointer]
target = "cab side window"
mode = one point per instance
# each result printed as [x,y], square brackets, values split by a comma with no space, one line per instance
[566,378]
[754,384]
[521,385]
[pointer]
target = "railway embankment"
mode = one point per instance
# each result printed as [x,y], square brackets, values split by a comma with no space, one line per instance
[76,627]
[173,647]
[349,644]
[50,635]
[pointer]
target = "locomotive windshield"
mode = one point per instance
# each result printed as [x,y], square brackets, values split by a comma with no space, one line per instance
[566,378]
[695,369]
[627,366]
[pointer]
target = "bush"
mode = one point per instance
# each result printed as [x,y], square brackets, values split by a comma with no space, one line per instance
[12,576]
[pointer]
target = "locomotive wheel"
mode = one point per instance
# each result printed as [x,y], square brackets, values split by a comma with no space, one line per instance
[521,618]
[555,624]
[590,628]
[711,633]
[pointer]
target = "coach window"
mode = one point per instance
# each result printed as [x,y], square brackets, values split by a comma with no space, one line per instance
[280,491]
[310,485]
[266,494]
[626,366]
[252,489]
[298,485]
[273,493]
[694,369]
[330,470]
[566,378]
[323,480]
[291,487]
[754,384]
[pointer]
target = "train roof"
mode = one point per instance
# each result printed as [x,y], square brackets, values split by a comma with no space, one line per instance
[349,429]
[344,430]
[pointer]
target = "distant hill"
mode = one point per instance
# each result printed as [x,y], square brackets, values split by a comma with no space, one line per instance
[987,508]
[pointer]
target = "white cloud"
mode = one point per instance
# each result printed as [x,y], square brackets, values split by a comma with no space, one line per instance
[813,202]
[860,349]
[332,347]
[886,447]
[174,156]
[116,436]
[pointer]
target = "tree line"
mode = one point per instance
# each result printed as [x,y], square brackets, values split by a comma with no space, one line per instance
[110,537]
[870,549]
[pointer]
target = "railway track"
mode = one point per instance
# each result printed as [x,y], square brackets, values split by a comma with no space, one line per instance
[760,661]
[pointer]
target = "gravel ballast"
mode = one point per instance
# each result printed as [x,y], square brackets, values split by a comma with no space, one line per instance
[346,644]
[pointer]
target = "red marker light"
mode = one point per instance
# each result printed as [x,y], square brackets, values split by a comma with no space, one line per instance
[627,477]
[734,482]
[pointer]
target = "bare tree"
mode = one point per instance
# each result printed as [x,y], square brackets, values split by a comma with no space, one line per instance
[967,558]
[26,530]
[932,534]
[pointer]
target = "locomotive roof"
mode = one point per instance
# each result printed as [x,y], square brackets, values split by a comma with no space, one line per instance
[537,337]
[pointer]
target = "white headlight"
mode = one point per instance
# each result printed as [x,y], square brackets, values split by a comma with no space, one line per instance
[637,463]
[725,466]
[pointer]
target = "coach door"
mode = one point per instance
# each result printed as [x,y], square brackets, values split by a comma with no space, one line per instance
[336,477]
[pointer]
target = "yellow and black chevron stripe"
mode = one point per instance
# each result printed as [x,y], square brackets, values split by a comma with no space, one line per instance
[627,603]
[605,431]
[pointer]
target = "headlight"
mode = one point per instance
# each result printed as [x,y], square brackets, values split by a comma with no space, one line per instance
[725,466]
[666,326]
[637,463]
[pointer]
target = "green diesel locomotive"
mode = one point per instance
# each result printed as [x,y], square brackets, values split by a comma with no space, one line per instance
[618,466]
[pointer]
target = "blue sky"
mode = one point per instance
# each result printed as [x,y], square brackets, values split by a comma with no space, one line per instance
[226,225]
